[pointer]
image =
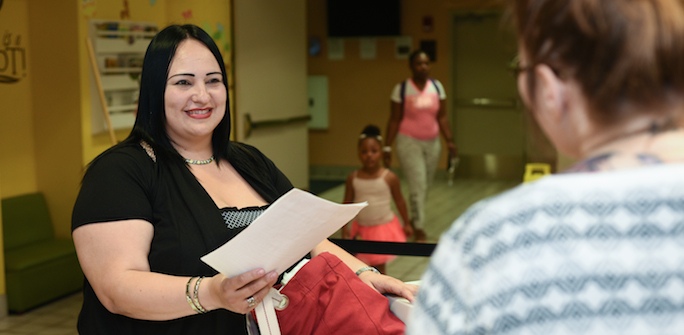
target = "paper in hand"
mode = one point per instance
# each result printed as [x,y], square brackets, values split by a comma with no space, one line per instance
[286,231]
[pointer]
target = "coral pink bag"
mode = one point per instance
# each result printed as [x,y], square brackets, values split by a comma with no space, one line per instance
[326,297]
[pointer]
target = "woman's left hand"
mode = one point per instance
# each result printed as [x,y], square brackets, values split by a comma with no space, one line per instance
[386,284]
[453,150]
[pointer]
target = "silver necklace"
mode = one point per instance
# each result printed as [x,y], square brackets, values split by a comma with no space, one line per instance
[206,161]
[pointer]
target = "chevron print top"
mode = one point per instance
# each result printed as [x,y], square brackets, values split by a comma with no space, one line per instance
[583,253]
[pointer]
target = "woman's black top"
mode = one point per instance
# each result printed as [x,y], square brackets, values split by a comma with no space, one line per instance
[127,183]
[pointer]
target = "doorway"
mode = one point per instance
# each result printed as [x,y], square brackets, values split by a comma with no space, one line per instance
[487,117]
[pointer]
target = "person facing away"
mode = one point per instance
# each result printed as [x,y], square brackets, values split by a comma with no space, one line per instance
[378,186]
[417,115]
[598,249]
[174,190]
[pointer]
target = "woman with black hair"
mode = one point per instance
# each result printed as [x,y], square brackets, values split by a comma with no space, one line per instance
[417,116]
[174,190]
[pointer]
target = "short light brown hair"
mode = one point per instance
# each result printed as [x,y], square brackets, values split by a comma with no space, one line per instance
[622,52]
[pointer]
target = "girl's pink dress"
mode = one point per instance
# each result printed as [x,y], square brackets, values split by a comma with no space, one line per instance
[376,222]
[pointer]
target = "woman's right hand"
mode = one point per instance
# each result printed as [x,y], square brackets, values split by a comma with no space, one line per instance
[408,230]
[232,293]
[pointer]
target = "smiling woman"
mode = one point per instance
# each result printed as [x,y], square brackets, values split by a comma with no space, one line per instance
[195,99]
[174,190]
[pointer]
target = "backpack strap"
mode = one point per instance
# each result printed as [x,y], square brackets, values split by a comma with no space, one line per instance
[402,93]
[436,87]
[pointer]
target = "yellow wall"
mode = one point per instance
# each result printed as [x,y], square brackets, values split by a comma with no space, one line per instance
[45,135]
[53,27]
[17,161]
[359,89]
[17,153]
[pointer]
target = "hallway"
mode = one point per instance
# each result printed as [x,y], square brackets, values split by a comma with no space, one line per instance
[445,204]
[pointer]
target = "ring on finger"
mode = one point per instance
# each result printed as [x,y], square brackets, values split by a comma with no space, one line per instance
[251,302]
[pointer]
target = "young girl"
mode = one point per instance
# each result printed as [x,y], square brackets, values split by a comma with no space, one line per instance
[378,186]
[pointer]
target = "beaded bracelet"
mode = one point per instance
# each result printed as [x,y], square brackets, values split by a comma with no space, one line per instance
[367,268]
[195,298]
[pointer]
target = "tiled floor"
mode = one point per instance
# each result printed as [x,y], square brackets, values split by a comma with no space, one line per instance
[445,203]
[57,318]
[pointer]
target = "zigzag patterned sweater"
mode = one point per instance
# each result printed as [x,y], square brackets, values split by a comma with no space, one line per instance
[582,253]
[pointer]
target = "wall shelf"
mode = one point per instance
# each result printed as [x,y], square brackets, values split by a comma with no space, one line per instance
[117,50]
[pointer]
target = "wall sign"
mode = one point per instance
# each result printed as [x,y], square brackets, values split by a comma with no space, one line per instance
[12,59]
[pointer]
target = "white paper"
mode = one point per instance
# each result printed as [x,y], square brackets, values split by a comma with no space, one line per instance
[286,231]
[367,48]
[335,49]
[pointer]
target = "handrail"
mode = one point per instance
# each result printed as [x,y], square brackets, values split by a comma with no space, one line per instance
[386,248]
[249,124]
[488,103]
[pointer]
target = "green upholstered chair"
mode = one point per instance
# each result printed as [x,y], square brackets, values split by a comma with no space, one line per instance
[38,266]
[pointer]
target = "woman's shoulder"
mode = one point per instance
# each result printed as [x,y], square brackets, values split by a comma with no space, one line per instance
[124,155]
[128,151]
[248,158]
[396,91]
[564,195]
[241,148]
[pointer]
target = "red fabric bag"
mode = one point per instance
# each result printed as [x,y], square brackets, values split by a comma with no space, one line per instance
[326,297]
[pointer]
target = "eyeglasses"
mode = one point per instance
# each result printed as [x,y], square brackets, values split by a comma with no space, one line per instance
[516,68]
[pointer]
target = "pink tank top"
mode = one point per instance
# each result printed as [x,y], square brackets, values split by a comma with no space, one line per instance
[379,197]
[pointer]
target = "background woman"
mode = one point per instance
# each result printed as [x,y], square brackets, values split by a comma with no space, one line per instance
[174,190]
[599,249]
[417,115]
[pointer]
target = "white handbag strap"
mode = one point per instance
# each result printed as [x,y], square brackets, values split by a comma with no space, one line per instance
[265,313]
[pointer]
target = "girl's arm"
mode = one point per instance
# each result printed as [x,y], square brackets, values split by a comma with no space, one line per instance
[348,199]
[395,187]
[349,189]
[113,256]
[381,283]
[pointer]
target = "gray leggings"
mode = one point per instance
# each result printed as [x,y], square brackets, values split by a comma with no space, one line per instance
[419,161]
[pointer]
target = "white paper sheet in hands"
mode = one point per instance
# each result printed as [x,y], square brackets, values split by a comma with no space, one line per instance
[283,234]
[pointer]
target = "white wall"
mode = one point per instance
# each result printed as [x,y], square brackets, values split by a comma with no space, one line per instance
[269,47]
